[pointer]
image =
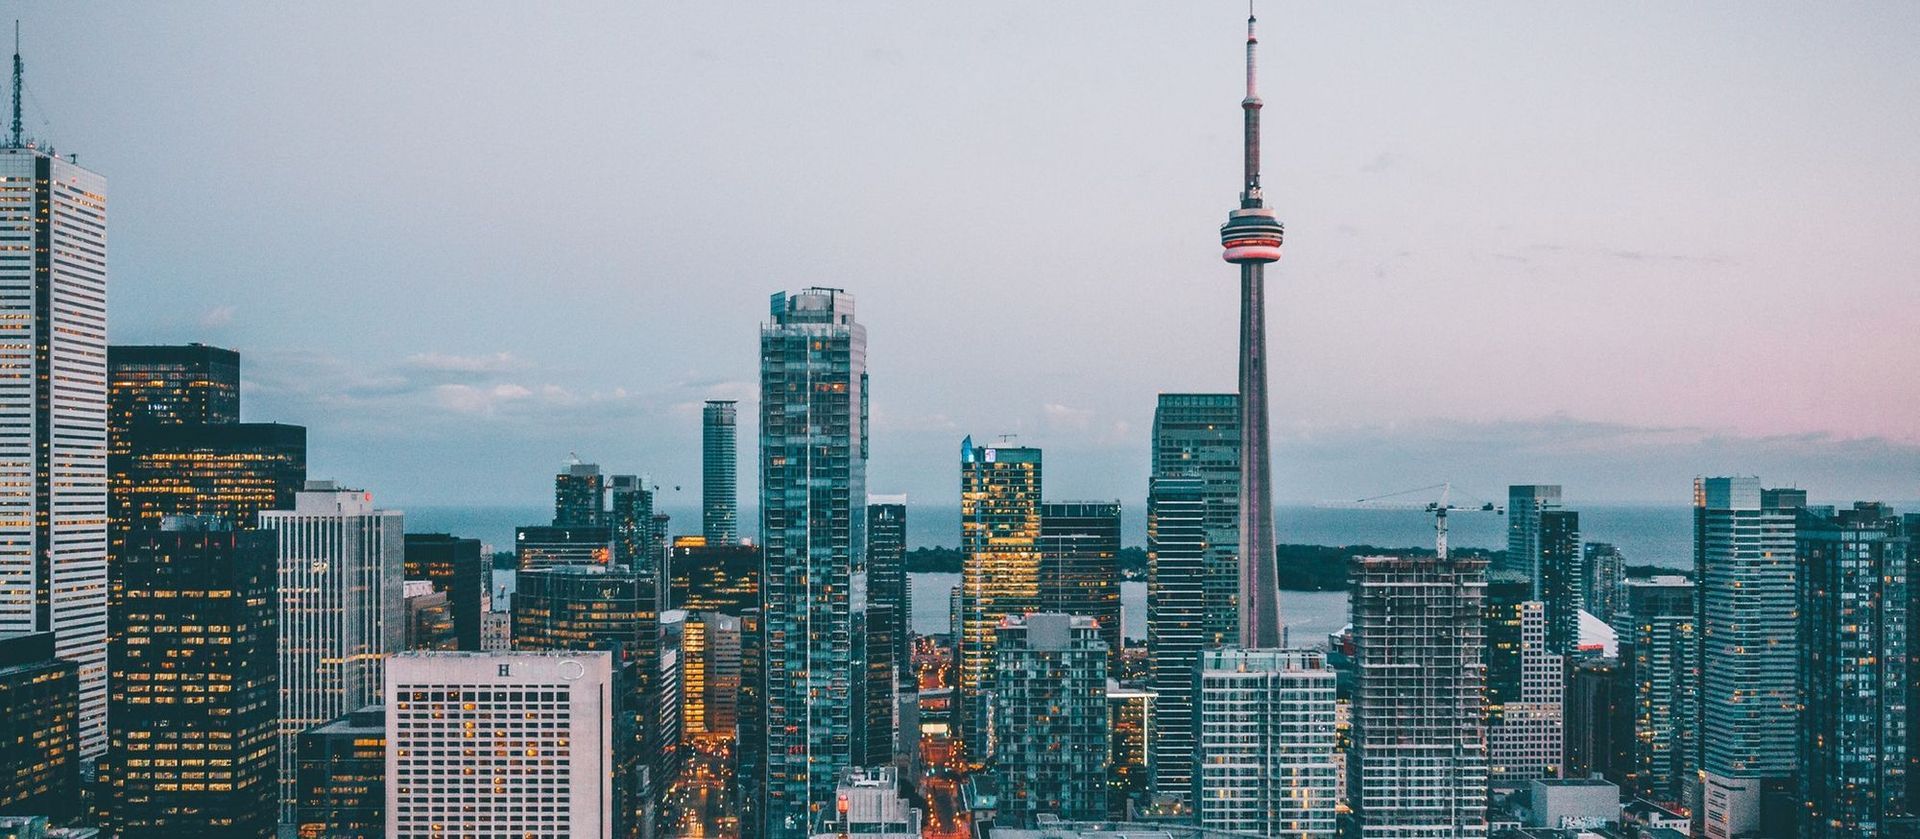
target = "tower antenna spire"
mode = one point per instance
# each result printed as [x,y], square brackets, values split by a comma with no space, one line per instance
[1250,192]
[19,80]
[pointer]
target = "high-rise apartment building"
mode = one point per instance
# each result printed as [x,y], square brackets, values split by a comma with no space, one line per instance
[53,416]
[1749,659]
[1197,435]
[1525,738]
[40,732]
[500,745]
[1854,627]
[342,777]
[630,522]
[1080,566]
[1562,584]
[193,689]
[813,483]
[1264,760]
[1598,719]
[1130,713]
[340,616]
[456,568]
[1049,691]
[1606,573]
[1418,765]
[1176,609]
[719,472]
[1525,503]
[580,496]
[1000,549]
[1659,648]
[887,581]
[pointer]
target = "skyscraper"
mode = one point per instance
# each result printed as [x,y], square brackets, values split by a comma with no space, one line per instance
[1252,238]
[719,454]
[455,567]
[1599,719]
[1418,766]
[1744,560]
[1854,637]
[231,472]
[1606,571]
[1000,549]
[1264,762]
[630,521]
[520,741]
[1562,584]
[192,739]
[580,496]
[1525,503]
[813,482]
[53,525]
[1197,435]
[1176,563]
[1659,647]
[1130,713]
[540,546]
[40,732]
[1080,566]
[342,777]
[1049,689]
[191,384]
[714,578]
[1525,739]
[887,580]
[340,573]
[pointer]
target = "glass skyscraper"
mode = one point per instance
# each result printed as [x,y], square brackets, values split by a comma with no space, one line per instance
[1080,566]
[1659,647]
[719,472]
[1049,689]
[813,486]
[1000,548]
[1176,608]
[1525,503]
[1197,435]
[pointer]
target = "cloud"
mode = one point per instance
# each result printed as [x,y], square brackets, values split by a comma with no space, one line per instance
[1063,418]
[217,317]
[500,362]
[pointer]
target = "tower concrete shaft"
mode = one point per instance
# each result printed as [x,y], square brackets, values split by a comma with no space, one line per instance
[1251,238]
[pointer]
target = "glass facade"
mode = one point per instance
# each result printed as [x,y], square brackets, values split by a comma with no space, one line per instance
[719,472]
[1049,690]
[40,732]
[1176,612]
[1079,566]
[342,778]
[1197,435]
[456,568]
[999,543]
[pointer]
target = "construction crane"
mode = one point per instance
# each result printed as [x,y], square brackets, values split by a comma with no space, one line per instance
[1439,508]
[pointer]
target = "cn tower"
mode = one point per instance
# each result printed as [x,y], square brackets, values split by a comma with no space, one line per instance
[1251,237]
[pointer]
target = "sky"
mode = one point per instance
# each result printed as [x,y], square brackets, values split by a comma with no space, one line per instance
[1611,246]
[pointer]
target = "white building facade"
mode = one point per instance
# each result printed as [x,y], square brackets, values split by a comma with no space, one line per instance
[1528,740]
[1265,760]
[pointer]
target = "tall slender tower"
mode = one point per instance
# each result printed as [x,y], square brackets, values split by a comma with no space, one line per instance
[719,500]
[1251,237]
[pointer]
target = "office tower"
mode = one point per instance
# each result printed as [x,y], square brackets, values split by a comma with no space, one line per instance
[1525,683]
[1130,713]
[1251,238]
[1744,560]
[710,650]
[1562,582]
[40,732]
[53,521]
[999,545]
[541,546]
[658,541]
[340,570]
[1598,719]
[616,610]
[231,472]
[1197,435]
[714,578]
[193,691]
[887,581]
[342,777]
[813,480]
[719,454]
[517,742]
[1264,747]
[1080,566]
[880,624]
[454,566]
[580,496]
[191,384]
[630,521]
[1606,572]
[428,619]
[1049,690]
[664,766]
[1659,647]
[1910,527]
[867,803]
[1525,503]
[1176,564]
[1853,656]
[1418,766]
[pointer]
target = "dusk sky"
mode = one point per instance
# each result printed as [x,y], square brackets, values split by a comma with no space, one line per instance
[1611,246]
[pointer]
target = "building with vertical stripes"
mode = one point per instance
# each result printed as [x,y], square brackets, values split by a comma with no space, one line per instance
[1265,744]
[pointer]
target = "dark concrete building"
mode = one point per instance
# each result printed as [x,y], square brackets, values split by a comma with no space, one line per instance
[191,384]
[192,690]
[1563,579]
[1598,719]
[542,546]
[713,578]
[40,731]
[343,777]
[455,567]
[887,581]
[1080,566]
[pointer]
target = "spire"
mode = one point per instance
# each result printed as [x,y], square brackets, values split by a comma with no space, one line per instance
[15,140]
[1250,193]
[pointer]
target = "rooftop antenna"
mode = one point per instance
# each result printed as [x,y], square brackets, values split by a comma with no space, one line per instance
[19,74]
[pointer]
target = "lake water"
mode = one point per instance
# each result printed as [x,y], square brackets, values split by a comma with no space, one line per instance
[1309,615]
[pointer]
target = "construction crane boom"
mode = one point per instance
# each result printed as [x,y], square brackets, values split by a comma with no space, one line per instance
[1438,508]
